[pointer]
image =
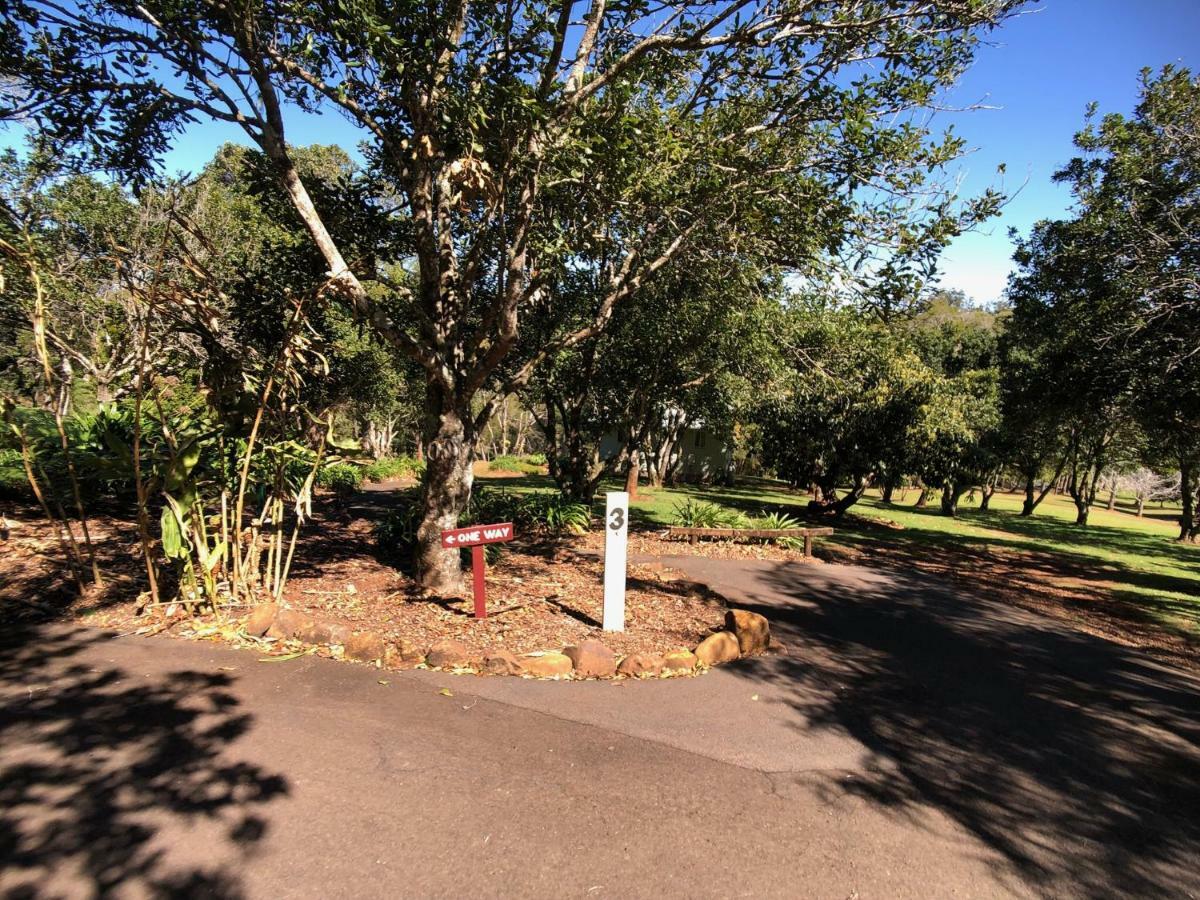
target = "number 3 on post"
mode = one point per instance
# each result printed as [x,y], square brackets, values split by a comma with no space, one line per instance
[616,541]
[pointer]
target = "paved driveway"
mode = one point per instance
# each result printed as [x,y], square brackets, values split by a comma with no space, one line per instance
[910,743]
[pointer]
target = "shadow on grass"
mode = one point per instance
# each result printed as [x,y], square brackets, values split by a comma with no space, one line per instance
[1075,759]
[1049,551]
[114,783]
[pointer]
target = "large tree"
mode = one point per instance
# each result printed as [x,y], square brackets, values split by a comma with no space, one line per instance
[790,112]
[1137,185]
[855,400]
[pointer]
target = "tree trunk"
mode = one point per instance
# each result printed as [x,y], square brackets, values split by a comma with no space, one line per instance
[631,475]
[1187,517]
[923,498]
[1112,497]
[1141,505]
[986,501]
[950,496]
[1082,508]
[446,491]
[104,391]
[1030,503]
[889,488]
[852,496]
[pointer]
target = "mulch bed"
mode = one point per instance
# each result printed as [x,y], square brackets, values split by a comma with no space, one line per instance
[546,596]
[541,596]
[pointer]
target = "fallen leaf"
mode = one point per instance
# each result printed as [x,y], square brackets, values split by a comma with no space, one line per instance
[383,681]
[446,692]
[288,656]
[754,696]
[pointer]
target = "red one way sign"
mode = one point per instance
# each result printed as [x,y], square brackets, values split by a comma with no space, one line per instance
[475,536]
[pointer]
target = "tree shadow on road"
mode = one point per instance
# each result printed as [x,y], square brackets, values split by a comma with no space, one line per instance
[113,782]
[1076,759]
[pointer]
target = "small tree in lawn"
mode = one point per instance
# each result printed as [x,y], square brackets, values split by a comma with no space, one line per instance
[855,392]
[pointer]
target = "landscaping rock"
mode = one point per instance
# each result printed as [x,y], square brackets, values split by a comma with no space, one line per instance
[592,659]
[547,665]
[367,646]
[448,654]
[339,634]
[753,631]
[394,658]
[260,619]
[638,664]
[314,632]
[501,662]
[288,623]
[718,648]
[411,652]
[679,661]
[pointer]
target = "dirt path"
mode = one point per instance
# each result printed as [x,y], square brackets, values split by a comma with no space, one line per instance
[909,743]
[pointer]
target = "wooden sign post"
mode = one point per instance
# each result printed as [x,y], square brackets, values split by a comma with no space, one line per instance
[475,536]
[616,545]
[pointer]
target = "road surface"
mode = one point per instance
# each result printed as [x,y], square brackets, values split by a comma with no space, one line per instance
[908,743]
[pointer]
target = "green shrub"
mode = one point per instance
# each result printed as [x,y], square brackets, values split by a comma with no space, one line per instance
[393,467]
[698,514]
[535,459]
[13,483]
[781,520]
[341,478]
[538,513]
[521,464]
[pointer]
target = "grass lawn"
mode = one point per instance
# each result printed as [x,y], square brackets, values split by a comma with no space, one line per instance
[1121,567]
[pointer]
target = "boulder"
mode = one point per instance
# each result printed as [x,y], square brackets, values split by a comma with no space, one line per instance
[592,659]
[366,646]
[288,623]
[448,654]
[260,619]
[638,664]
[394,658]
[314,632]
[339,634]
[753,631]
[547,665]
[501,662]
[718,648]
[679,661]
[410,651]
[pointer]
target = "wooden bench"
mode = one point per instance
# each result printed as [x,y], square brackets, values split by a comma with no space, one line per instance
[694,534]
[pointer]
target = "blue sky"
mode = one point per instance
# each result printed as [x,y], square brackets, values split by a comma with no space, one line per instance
[1041,70]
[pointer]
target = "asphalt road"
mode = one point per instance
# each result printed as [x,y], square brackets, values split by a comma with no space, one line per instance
[909,743]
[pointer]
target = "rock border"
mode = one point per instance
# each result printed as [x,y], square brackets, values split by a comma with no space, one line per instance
[744,634]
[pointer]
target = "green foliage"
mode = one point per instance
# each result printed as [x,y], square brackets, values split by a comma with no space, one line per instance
[854,402]
[343,479]
[396,534]
[13,483]
[522,464]
[538,513]
[693,513]
[778,520]
[391,467]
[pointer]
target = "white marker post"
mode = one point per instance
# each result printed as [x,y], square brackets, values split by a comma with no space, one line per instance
[616,545]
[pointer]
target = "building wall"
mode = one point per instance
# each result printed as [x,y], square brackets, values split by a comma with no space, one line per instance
[702,455]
